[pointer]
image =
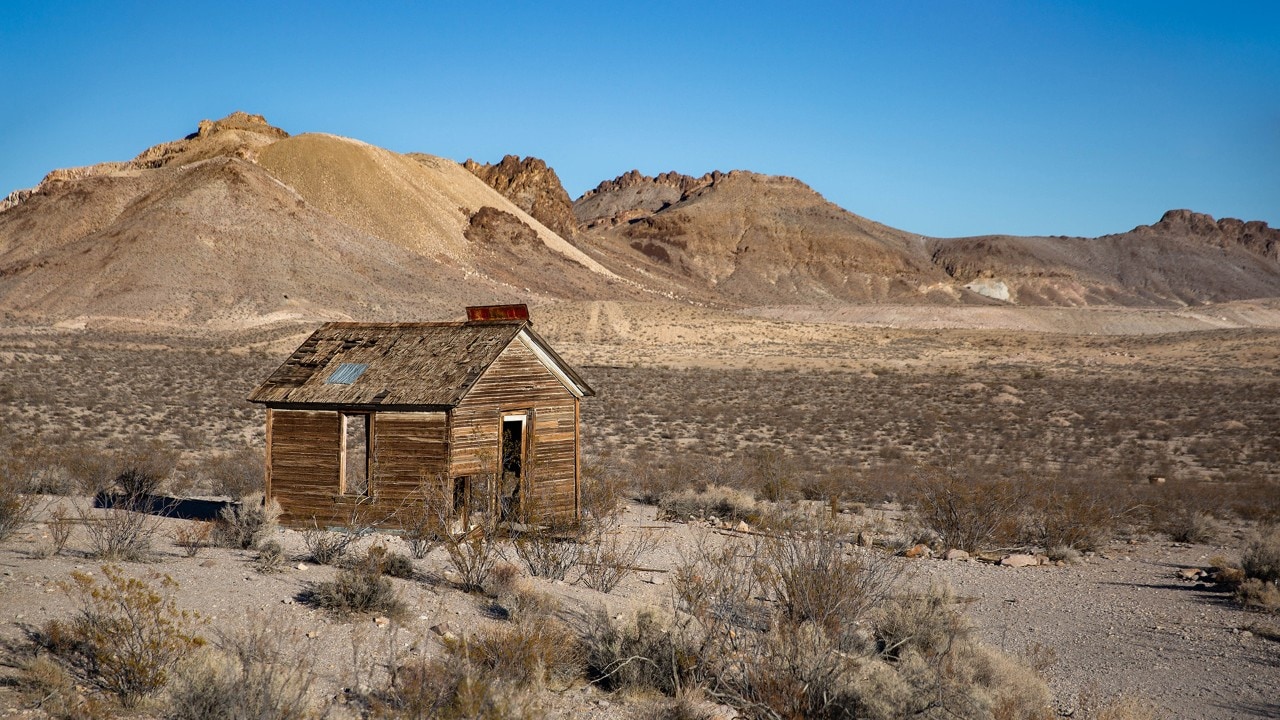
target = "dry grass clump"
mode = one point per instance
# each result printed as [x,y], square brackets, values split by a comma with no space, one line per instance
[271,557]
[247,523]
[445,689]
[127,636]
[259,673]
[725,503]
[193,537]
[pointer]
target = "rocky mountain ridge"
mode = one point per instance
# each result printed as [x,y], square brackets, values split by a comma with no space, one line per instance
[242,223]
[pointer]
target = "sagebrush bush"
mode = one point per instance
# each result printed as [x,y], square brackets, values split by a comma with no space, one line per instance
[1261,558]
[644,654]
[386,562]
[193,537]
[546,552]
[1190,526]
[607,559]
[1259,595]
[473,554]
[246,523]
[128,634]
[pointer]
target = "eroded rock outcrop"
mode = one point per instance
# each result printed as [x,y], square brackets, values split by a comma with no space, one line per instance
[533,187]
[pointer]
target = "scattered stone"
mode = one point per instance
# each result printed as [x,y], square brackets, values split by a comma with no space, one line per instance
[1190,573]
[602,704]
[382,621]
[918,551]
[287,601]
[206,563]
[742,526]
[866,539]
[302,566]
[1018,560]
[955,554]
[441,629]
[313,634]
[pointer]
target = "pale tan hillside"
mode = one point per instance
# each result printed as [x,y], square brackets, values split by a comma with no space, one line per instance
[419,201]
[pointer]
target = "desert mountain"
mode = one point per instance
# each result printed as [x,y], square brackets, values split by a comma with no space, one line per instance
[240,224]
[1184,259]
[756,239]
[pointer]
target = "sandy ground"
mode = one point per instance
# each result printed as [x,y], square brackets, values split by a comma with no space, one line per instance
[1121,624]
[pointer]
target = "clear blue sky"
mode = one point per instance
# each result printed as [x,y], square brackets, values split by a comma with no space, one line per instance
[942,118]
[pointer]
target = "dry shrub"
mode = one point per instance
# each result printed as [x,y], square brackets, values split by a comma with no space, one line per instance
[444,689]
[359,589]
[424,524]
[60,526]
[774,648]
[127,636]
[815,576]
[259,673]
[193,537]
[1261,558]
[271,557]
[32,467]
[1081,513]
[607,559]
[772,474]
[602,493]
[247,523]
[970,507]
[644,654]
[329,546]
[49,687]
[235,474]
[118,533]
[473,554]
[725,503]
[549,552]
[1190,526]
[16,510]
[530,653]
[1259,595]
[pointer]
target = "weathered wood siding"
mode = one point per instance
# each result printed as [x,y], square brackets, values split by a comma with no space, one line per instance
[305,457]
[518,382]
[408,448]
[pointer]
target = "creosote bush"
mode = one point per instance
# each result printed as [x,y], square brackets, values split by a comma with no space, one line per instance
[117,533]
[971,507]
[235,474]
[725,503]
[127,636]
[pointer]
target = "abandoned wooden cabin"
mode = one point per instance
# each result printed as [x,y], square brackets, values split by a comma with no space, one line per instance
[481,414]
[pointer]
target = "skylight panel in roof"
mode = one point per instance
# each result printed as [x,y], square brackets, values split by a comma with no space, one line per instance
[346,373]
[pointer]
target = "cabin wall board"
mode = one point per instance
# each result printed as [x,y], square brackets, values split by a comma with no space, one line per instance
[306,465]
[518,382]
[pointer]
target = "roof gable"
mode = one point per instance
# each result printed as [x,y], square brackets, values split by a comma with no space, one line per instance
[406,364]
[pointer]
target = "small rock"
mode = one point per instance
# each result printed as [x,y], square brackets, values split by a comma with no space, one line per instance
[742,526]
[1018,560]
[918,551]
[208,563]
[442,629]
[1246,634]
[302,566]
[287,601]
[955,554]
[1190,573]
[602,704]
[313,634]
[381,621]
[866,539]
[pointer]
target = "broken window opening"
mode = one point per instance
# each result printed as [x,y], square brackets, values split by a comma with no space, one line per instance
[355,450]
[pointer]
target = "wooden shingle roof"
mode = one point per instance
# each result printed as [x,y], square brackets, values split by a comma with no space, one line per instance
[400,364]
